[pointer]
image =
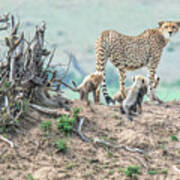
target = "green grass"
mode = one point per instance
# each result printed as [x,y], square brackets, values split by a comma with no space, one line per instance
[174,138]
[66,123]
[130,171]
[76,112]
[111,172]
[46,126]
[5,85]
[30,177]
[154,171]
[61,145]
[178,151]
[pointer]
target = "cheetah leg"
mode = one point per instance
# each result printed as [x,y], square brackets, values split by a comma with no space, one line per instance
[127,112]
[152,85]
[101,60]
[97,96]
[122,75]
[135,110]
[139,109]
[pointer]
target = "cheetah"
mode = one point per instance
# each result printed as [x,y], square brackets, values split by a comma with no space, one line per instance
[133,101]
[129,53]
[118,98]
[91,83]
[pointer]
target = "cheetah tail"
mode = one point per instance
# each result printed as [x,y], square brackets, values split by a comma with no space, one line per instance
[108,99]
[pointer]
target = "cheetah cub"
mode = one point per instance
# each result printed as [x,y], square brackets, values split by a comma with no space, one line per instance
[90,84]
[133,101]
[118,97]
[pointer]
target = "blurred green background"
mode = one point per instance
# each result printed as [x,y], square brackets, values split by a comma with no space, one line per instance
[74,25]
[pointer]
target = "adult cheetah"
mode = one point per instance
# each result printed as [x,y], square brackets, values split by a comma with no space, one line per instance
[129,53]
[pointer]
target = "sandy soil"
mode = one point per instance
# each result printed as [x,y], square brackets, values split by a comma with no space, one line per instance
[35,154]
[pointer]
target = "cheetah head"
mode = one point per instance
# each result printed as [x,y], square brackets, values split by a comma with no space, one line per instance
[169,28]
[140,80]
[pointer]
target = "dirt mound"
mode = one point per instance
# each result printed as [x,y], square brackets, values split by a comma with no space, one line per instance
[150,143]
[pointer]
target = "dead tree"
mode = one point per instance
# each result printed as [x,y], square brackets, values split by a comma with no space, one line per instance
[26,76]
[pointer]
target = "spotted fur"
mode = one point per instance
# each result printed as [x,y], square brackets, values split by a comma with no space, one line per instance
[129,53]
[91,83]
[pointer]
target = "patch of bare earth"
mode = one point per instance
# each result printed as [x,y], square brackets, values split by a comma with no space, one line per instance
[35,153]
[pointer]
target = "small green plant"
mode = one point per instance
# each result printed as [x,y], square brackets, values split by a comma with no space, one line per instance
[6,129]
[65,123]
[164,171]
[61,145]
[30,177]
[130,171]
[71,166]
[25,105]
[174,138]
[154,171]
[5,85]
[111,172]
[179,151]
[46,126]
[76,112]
[110,154]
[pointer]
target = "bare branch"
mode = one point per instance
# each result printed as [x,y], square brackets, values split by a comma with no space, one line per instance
[14,28]
[50,60]
[68,86]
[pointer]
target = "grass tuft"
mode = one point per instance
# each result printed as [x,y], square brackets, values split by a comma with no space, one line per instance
[66,123]
[30,177]
[46,126]
[174,138]
[154,171]
[130,171]
[61,145]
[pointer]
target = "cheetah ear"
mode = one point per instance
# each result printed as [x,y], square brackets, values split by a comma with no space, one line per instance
[161,23]
[178,23]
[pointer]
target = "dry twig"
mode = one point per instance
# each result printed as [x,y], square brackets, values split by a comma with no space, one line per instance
[7,141]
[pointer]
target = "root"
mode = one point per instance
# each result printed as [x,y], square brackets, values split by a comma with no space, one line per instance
[49,111]
[7,141]
[102,142]
[81,135]
[121,146]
